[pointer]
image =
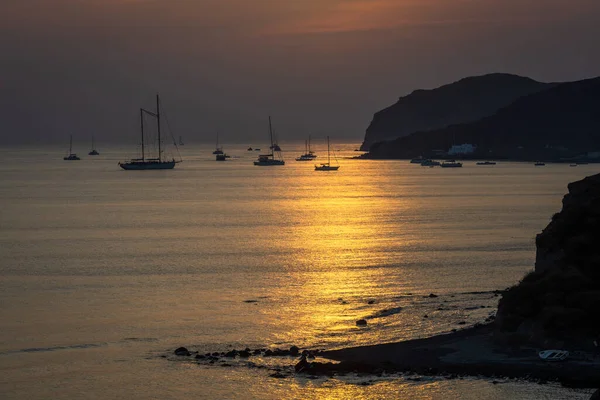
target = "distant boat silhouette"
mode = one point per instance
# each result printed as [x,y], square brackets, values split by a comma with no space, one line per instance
[72,156]
[219,150]
[327,166]
[181,141]
[451,164]
[94,152]
[222,157]
[274,146]
[308,154]
[269,159]
[149,163]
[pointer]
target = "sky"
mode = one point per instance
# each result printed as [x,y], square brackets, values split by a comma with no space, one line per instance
[320,67]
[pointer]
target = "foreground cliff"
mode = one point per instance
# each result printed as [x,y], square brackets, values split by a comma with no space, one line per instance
[552,124]
[467,100]
[559,303]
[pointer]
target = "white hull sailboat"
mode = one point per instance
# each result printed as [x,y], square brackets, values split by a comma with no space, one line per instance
[145,163]
[269,159]
[327,166]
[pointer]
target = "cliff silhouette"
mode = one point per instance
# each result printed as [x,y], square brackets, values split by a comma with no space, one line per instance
[559,122]
[558,304]
[466,100]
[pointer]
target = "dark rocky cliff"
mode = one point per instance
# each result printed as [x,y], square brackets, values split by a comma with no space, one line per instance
[560,122]
[559,302]
[467,100]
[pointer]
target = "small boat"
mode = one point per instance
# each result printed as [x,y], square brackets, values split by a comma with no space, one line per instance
[486,163]
[274,146]
[256,149]
[327,166]
[308,154]
[93,152]
[145,163]
[539,164]
[451,164]
[219,150]
[429,163]
[572,165]
[222,157]
[72,156]
[417,160]
[553,355]
[249,148]
[269,159]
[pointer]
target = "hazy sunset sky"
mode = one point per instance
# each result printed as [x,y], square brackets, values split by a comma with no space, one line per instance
[84,67]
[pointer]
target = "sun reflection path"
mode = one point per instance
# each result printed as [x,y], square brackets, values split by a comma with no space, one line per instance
[335,226]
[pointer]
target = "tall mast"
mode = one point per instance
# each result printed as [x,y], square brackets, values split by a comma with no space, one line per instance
[70,144]
[328,158]
[158,123]
[92,142]
[308,144]
[142,129]
[271,134]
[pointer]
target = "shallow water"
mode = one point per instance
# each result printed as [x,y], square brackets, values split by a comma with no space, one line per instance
[104,270]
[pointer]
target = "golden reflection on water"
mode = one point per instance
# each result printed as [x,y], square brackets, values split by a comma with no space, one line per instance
[384,389]
[334,225]
[336,221]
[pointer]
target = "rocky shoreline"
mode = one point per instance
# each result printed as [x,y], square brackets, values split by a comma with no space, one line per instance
[468,352]
[471,352]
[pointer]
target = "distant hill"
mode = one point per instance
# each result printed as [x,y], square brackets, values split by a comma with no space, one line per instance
[561,121]
[467,100]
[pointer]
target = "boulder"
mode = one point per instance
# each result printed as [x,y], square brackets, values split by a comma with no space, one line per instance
[294,350]
[182,351]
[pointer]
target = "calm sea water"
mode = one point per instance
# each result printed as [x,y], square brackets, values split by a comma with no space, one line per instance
[103,271]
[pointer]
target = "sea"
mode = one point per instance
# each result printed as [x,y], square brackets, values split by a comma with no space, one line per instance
[104,272]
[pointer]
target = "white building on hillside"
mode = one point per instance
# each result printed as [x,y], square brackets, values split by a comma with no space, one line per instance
[465,148]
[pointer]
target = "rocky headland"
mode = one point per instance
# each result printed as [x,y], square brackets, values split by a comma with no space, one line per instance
[466,100]
[557,122]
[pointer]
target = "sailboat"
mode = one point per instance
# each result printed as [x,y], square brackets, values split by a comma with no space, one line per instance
[94,152]
[269,159]
[327,166]
[218,150]
[181,141]
[144,162]
[72,156]
[308,155]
